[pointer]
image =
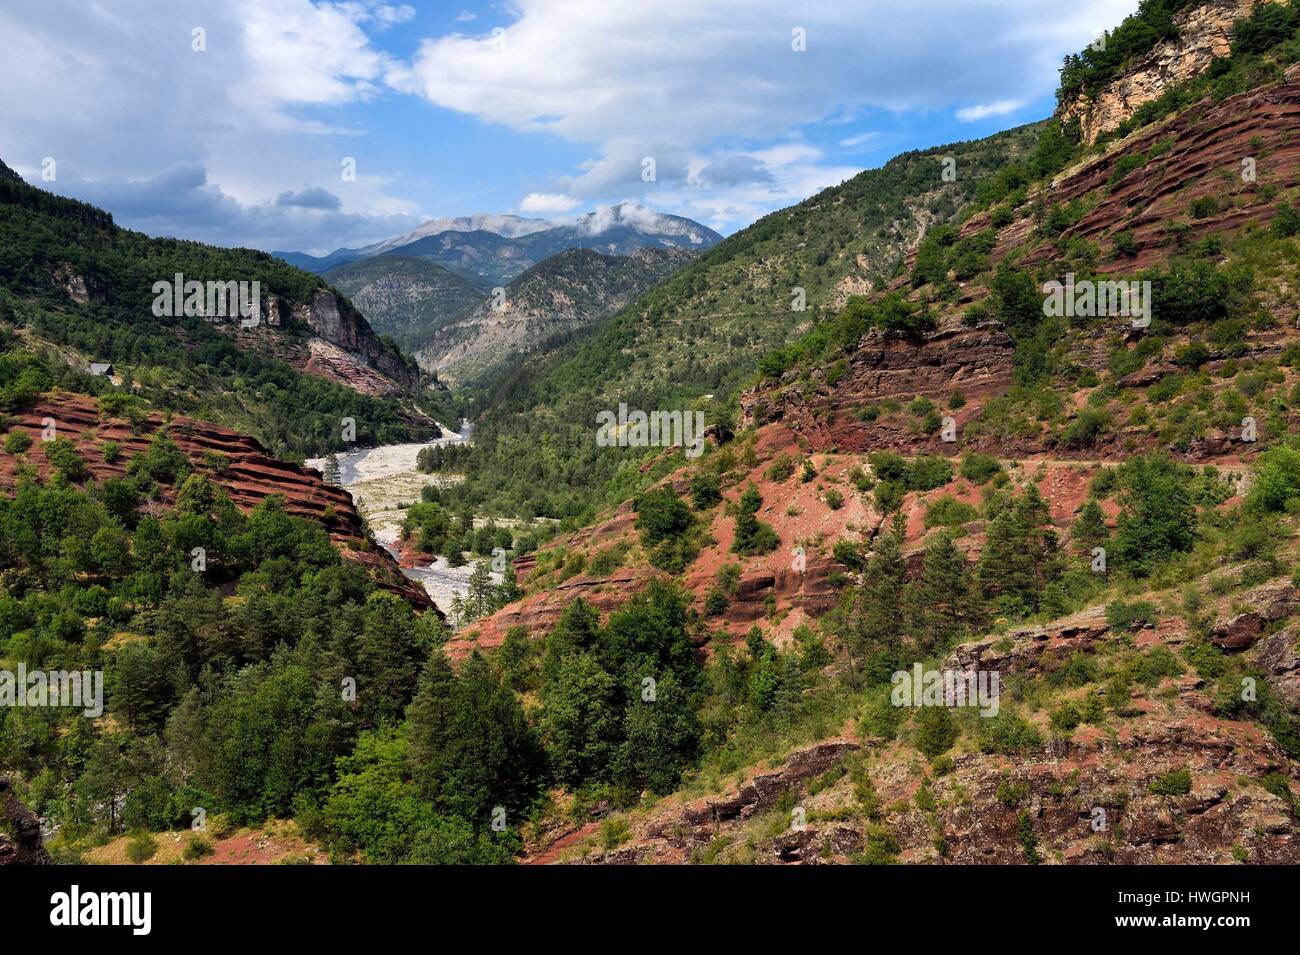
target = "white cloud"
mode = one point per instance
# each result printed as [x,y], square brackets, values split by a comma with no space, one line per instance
[547,203]
[673,81]
[122,97]
[181,201]
[304,54]
[861,139]
[1002,107]
[711,90]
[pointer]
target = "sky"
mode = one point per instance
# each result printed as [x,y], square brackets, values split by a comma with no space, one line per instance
[301,125]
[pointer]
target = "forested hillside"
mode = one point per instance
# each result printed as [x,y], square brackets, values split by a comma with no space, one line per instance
[406,297]
[73,280]
[702,331]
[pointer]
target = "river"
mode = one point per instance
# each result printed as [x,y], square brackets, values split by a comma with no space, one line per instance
[384,482]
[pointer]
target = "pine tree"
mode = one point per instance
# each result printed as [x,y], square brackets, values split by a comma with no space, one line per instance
[874,627]
[946,603]
[1089,528]
[1020,555]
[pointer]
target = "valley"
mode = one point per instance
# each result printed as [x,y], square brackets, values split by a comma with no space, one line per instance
[383,482]
[344,631]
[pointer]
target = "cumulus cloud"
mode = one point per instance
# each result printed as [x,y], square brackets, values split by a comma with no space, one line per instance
[547,203]
[313,198]
[711,93]
[119,96]
[181,201]
[671,81]
[687,73]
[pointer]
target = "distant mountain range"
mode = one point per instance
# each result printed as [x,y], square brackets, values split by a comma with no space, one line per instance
[406,297]
[542,308]
[491,250]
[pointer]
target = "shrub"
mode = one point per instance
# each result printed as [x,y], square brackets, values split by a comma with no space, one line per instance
[661,515]
[1008,734]
[1286,223]
[752,536]
[1011,794]
[1130,616]
[197,847]
[1126,244]
[1177,782]
[936,731]
[979,468]
[1086,428]
[947,511]
[706,491]
[141,848]
[929,472]
[780,469]
[62,454]
[834,499]
[16,442]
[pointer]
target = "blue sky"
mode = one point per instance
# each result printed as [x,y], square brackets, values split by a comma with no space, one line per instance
[535,107]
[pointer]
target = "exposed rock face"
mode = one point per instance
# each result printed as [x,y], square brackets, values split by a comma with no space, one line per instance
[780,589]
[20,831]
[1206,144]
[1026,649]
[1204,33]
[1278,656]
[671,836]
[332,362]
[566,292]
[977,361]
[340,324]
[1268,603]
[249,475]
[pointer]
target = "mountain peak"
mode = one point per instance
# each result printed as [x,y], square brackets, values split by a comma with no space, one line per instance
[640,219]
[506,226]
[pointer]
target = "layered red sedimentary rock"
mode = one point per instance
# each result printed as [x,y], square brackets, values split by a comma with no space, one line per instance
[244,471]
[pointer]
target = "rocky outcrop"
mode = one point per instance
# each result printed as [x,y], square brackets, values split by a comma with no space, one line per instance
[1096,795]
[1027,649]
[1204,33]
[338,323]
[1268,603]
[20,831]
[1200,156]
[236,462]
[671,836]
[976,361]
[1278,657]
